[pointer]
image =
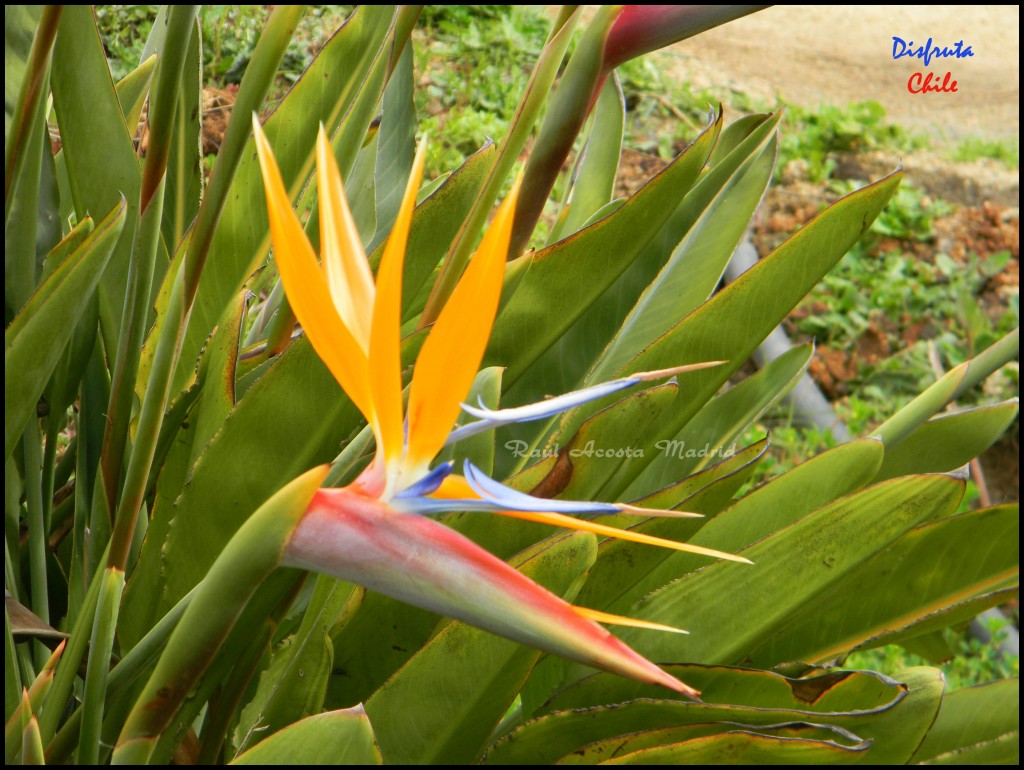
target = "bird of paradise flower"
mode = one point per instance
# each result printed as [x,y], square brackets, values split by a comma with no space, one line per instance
[377,531]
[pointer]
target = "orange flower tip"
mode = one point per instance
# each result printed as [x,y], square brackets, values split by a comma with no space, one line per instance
[633,510]
[659,374]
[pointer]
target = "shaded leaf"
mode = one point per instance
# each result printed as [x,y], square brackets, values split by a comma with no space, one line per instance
[334,738]
[38,336]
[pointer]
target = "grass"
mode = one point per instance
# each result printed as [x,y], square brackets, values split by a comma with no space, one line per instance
[975,148]
[472,64]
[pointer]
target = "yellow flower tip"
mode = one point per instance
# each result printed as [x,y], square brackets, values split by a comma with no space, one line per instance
[619,620]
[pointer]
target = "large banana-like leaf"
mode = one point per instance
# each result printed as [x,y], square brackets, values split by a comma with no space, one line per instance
[710,222]
[593,177]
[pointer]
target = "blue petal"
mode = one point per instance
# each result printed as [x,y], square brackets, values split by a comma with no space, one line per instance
[502,497]
[428,483]
[490,418]
[429,506]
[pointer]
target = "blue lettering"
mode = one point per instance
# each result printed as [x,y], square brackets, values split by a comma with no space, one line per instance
[929,50]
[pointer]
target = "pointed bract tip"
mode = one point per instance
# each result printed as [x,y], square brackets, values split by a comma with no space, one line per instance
[659,374]
[635,510]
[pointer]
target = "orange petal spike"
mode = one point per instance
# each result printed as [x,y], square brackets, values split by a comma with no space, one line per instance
[451,355]
[306,287]
[619,620]
[341,249]
[455,487]
[385,335]
[568,522]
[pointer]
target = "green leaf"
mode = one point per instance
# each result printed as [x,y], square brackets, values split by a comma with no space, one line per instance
[1004,750]
[768,509]
[795,744]
[611,439]
[293,418]
[712,217]
[444,703]
[735,133]
[732,472]
[578,269]
[948,441]
[361,189]
[617,580]
[732,324]
[132,91]
[396,146]
[38,336]
[185,162]
[295,683]
[950,386]
[20,23]
[218,369]
[792,567]
[335,738]
[291,688]
[892,715]
[937,565]
[593,182]
[722,421]
[975,725]
[31,222]
[89,116]
[337,89]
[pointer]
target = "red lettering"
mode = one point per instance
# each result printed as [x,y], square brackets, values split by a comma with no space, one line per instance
[921,83]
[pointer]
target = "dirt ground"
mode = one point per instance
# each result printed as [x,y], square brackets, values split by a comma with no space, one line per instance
[813,55]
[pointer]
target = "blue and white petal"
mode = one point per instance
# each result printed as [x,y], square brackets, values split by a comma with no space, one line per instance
[489,419]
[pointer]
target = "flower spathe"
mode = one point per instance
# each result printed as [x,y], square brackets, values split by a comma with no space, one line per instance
[376,532]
